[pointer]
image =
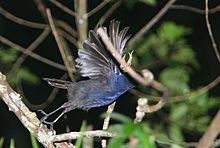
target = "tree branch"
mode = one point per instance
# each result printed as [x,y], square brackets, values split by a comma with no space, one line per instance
[208,139]
[147,78]
[195,10]
[106,121]
[214,45]
[153,21]
[32,54]
[21,21]
[29,119]
[81,20]
[69,67]
[62,7]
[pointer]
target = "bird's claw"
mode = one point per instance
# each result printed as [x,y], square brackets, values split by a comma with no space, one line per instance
[42,112]
[44,118]
[128,63]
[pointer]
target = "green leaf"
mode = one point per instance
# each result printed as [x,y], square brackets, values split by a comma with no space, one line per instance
[171,32]
[33,141]
[150,2]
[176,80]
[173,145]
[116,142]
[143,137]
[116,128]
[121,118]
[178,112]
[163,139]
[26,75]
[80,139]
[184,56]
[8,55]
[176,133]
[1,142]
[12,143]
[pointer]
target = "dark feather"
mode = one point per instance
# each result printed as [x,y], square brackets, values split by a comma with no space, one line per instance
[94,60]
[106,81]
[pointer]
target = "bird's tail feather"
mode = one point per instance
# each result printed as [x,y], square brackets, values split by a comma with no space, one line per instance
[57,82]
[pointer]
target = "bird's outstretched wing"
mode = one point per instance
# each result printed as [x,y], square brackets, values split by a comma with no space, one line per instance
[94,60]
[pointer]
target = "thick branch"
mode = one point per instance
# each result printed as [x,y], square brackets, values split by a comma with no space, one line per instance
[31,122]
[28,118]
[81,20]
[211,133]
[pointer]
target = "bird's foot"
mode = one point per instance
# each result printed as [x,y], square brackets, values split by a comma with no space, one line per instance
[128,63]
[44,118]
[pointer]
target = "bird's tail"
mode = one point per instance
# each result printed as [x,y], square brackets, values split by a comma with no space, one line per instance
[57,82]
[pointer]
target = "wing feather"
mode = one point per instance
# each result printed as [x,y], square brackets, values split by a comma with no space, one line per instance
[94,60]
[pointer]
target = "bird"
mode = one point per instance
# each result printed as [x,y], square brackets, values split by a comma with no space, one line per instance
[106,79]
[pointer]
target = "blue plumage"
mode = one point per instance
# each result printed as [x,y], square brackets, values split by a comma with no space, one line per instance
[106,81]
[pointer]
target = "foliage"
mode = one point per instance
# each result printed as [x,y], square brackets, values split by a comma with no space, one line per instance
[1,142]
[80,139]
[12,143]
[131,3]
[129,131]
[34,141]
[8,57]
[168,51]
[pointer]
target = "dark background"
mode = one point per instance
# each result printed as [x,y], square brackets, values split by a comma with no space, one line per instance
[135,17]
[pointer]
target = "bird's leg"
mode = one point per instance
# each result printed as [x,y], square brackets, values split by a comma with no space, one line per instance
[46,115]
[128,63]
[54,121]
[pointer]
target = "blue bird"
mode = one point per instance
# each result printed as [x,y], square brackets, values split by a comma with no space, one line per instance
[106,81]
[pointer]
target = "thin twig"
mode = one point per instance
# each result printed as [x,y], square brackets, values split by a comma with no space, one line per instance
[153,21]
[197,92]
[70,69]
[106,122]
[66,27]
[62,7]
[68,37]
[32,54]
[81,20]
[97,8]
[146,80]
[59,23]
[208,139]
[196,10]
[109,12]
[214,45]
[75,135]
[21,21]
[32,47]
[41,8]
